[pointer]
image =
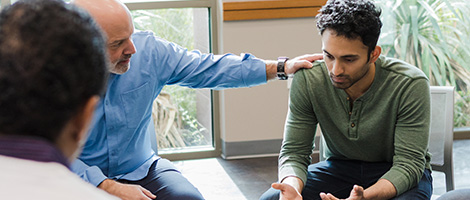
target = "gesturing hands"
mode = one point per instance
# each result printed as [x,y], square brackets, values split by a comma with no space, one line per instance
[126,191]
[357,193]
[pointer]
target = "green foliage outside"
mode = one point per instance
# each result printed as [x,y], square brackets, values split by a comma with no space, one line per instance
[432,35]
[176,25]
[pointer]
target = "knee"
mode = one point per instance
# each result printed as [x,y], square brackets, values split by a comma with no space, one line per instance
[178,193]
[459,194]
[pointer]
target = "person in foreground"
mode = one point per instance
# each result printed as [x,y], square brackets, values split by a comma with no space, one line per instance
[117,156]
[373,111]
[52,71]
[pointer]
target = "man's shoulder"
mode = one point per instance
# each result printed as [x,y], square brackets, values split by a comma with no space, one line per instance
[317,70]
[400,68]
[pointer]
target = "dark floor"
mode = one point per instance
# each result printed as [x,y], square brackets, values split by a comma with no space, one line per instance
[217,178]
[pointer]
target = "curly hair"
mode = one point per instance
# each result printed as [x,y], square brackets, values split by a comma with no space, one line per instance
[351,19]
[52,61]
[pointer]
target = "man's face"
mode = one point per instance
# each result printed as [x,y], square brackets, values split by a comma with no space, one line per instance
[119,45]
[346,59]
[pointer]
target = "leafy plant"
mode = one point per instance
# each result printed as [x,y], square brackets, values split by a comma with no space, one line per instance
[432,35]
[174,113]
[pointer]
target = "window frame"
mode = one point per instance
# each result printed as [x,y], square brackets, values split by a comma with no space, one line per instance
[215,15]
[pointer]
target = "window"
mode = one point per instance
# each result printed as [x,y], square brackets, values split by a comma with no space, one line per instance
[182,116]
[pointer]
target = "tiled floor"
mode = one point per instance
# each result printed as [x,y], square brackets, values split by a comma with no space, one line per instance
[247,179]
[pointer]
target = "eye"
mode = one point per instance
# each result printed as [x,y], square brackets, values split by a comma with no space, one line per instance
[116,44]
[329,56]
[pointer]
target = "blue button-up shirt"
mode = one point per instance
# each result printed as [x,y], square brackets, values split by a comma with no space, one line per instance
[119,142]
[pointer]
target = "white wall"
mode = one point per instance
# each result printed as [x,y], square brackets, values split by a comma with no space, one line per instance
[258,113]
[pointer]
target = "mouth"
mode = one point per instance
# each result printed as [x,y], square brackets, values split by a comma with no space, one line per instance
[126,61]
[338,79]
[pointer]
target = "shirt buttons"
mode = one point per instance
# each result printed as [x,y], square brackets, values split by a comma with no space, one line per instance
[353,125]
[350,113]
[347,98]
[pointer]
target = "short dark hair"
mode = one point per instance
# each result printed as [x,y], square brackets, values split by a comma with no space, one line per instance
[352,19]
[52,61]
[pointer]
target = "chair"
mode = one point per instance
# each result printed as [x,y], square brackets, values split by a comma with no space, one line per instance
[441,132]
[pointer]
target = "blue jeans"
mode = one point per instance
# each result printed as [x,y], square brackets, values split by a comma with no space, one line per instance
[165,181]
[339,176]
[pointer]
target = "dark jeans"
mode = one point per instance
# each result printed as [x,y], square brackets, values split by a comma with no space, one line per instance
[339,176]
[165,181]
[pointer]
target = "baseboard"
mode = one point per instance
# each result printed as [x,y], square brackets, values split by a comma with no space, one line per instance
[254,149]
[462,133]
[246,149]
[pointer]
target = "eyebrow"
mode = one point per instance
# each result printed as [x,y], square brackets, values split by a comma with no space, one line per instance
[117,41]
[348,56]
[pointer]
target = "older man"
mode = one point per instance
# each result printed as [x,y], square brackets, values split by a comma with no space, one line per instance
[117,156]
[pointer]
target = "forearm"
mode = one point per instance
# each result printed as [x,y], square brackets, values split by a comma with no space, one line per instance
[383,189]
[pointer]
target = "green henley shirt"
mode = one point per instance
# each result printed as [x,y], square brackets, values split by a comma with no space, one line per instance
[388,123]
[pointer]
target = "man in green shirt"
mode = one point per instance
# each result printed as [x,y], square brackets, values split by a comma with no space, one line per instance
[373,112]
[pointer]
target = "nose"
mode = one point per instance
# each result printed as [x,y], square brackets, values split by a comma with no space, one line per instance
[337,68]
[130,48]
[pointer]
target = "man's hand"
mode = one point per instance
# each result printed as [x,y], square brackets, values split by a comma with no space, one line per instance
[300,62]
[126,191]
[357,193]
[291,65]
[288,192]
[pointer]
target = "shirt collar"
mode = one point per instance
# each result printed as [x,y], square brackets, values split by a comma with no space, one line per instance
[31,148]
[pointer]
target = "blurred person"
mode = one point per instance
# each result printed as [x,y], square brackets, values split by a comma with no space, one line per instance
[52,71]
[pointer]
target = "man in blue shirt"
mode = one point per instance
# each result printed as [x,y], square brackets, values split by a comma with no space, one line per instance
[118,156]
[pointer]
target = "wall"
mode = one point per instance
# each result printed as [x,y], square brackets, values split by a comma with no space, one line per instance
[252,119]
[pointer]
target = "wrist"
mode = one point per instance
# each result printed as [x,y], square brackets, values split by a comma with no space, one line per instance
[281,68]
[295,182]
[106,184]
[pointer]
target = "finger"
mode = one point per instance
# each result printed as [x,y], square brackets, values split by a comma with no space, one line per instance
[311,57]
[306,64]
[148,193]
[323,196]
[331,197]
[277,186]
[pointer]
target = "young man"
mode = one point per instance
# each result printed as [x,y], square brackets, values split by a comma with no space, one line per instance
[52,71]
[118,156]
[373,112]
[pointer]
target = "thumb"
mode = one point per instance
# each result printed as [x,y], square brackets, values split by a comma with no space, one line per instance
[277,186]
[357,191]
[148,193]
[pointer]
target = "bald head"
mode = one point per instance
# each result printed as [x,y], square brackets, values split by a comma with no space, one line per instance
[116,22]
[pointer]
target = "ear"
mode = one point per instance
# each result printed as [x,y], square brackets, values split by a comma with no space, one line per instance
[374,55]
[74,133]
[83,118]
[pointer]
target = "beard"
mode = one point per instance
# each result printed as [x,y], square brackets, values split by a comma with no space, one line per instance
[121,66]
[343,81]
